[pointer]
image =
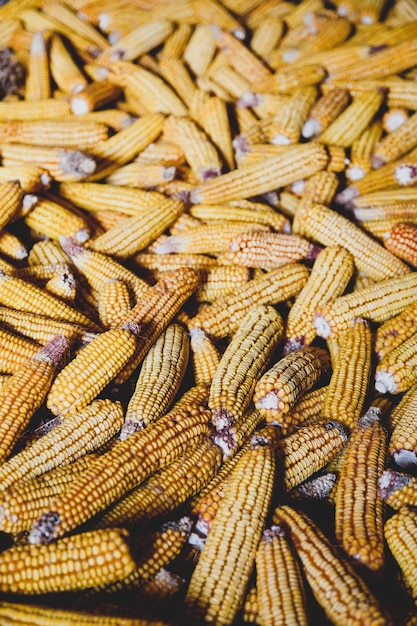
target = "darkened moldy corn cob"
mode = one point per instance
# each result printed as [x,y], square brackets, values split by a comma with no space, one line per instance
[208,312]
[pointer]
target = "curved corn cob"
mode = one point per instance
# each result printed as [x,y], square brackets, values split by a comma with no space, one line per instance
[329,277]
[401,536]
[287,380]
[160,376]
[242,363]
[336,586]
[396,371]
[222,572]
[359,521]
[82,379]
[24,393]
[378,303]
[348,386]
[78,434]
[280,587]
[398,490]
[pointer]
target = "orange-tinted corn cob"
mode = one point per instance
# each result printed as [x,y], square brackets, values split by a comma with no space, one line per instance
[395,330]
[329,277]
[396,371]
[277,391]
[24,393]
[337,587]
[377,302]
[280,587]
[348,386]
[401,536]
[359,519]
[82,379]
[242,363]
[122,468]
[160,376]
[222,572]
[402,242]
[397,489]
[223,317]
[53,220]
[78,434]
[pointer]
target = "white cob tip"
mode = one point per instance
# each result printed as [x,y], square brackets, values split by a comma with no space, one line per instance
[384,382]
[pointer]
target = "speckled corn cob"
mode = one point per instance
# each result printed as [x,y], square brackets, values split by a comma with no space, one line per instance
[329,277]
[378,303]
[223,317]
[82,379]
[222,572]
[280,587]
[242,363]
[277,391]
[78,434]
[160,376]
[401,536]
[348,386]
[359,519]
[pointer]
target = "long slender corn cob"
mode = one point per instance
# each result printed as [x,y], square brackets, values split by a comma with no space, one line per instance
[242,363]
[160,376]
[401,536]
[277,391]
[223,569]
[337,587]
[359,519]
[205,357]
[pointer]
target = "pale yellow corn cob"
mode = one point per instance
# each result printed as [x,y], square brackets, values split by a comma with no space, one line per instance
[262,177]
[53,221]
[47,252]
[175,72]
[267,36]
[242,363]
[65,72]
[215,121]
[401,92]
[11,246]
[395,371]
[401,536]
[321,224]
[33,110]
[75,134]
[227,79]
[378,302]
[287,79]
[37,85]
[139,40]
[223,317]
[221,281]
[66,16]
[176,43]
[141,175]
[200,49]
[32,179]
[11,201]
[252,213]
[362,149]
[160,376]
[286,126]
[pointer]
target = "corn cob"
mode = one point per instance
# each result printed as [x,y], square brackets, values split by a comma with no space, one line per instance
[277,391]
[401,536]
[222,572]
[262,177]
[337,587]
[362,150]
[47,252]
[177,75]
[398,490]
[378,303]
[252,213]
[53,220]
[329,228]
[165,490]
[348,386]
[395,331]
[33,109]
[37,85]
[286,126]
[304,412]
[82,379]
[395,371]
[64,70]
[402,423]
[317,488]
[249,611]
[68,135]
[205,357]
[15,351]
[139,40]
[11,200]
[242,363]
[141,175]
[11,246]
[280,587]
[329,277]
[153,314]
[359,520]
[24,393]
[160,376]
[113,303]
[78,434]
[221,281]
[288,79]
[396,144]
[402,242]
[156,264]
[224,316]
[32,179]
[122,468]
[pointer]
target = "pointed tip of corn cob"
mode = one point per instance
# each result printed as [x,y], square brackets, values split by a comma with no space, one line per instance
[171,244]
[43,530]
[226,441]
[405,459]
[341,427]
[390,481]
[38,44]
[28,203]
[269,534]
[385,382]
[81,235]
[76,163]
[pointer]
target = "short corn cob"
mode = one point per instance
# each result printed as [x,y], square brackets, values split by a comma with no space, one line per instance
[378,303]
[396,144]
[398,490]
[219,282]
[262,177]
[222,572]
[306,411]
[102,556]
[349,383]
[47,252]
[359,520]
[327,108]
[329,277]
[308,450]
[63,68]
[93,96]
[317,488]
[160,376]
[395,331]
[321,224]
[122,468]
[223,317]
[15,351]
[403,442]
[12,246]
[336,586]
[11,200]
[402,242]
[280,587]
[267,250]
[113,303]
[69,135]
[53,221]
[242,363]
[166,490]
[401,536]
[78,434]
[277,391]
[24,393]
[205,357]
[82,379]
[32,179]
[395,372]
[362,150]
